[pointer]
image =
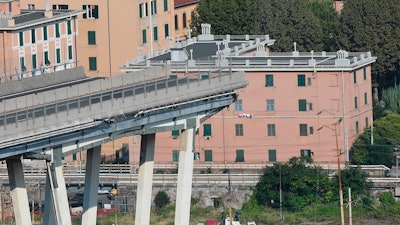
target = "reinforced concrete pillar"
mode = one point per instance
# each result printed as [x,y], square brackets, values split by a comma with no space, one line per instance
[93,159]
[55,187]
[19,194]
[49,216]
[145,180]
[185,176]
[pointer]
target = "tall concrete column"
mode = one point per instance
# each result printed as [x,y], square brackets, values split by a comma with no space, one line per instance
[185,175]
[19,194]
[49,216]
[93,159]
[55,187]
[145,180]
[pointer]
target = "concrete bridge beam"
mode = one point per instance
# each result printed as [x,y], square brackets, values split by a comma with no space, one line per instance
[93,159]
[145,180]
[19,194]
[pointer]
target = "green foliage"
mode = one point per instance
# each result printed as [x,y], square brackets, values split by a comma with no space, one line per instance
[391,98]
[370,25]
[161,200]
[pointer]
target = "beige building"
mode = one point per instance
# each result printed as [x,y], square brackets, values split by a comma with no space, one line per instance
[36,42]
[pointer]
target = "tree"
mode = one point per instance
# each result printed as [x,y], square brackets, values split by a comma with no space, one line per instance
[225,16]
[370,25]
[390,98]
[288,22]
[161,200]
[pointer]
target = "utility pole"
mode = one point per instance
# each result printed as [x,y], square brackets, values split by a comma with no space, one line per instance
[280,194]
[339,175]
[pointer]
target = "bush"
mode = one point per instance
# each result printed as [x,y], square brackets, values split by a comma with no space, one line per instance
[161,200]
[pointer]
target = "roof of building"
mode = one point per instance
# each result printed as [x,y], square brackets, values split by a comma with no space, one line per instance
[29,18]
[182,3]
[246,52]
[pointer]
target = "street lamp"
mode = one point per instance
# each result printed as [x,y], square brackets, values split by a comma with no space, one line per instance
[338,152]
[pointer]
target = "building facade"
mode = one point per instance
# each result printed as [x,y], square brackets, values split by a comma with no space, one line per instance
[296,104]
[36,42]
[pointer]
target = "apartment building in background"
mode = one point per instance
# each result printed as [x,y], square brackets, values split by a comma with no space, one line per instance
[183,17]
[296,103]
[36,42]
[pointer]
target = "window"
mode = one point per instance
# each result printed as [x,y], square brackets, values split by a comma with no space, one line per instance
[46,58]
[92,11]
[144,37]
[270,105]
[58,55]
[306,152]
[22,63]
[175,133]
[34,61]
[165,5]
[91,37]
[70,52]
[303,130]
[366,122]
[239,155]
[21,38]
[301,80]
[311,130]
[310,106]
[239,129]
[302,105]
[176,22]
[153,7]
[141,10]
[45,33]
[69,28]
[166,30]
[272,155]
[309,81]
[92,63]
[271,130]
[205,77]
[238,106]
[60,6]
[31,6]
[33,36]
[355,102]
[184,20]
[207,155]
[155,32]
[365,73]
[355,77]
[365,98]
[175,155]
[207,130]
[57,30]
[269,80]
[357,128]
[74,156]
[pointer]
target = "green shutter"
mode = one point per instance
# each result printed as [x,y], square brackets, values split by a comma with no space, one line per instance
[355,102]
[207,130]
[205,76]
[96,12]
[140,10]
[46,58]
[34,61]
[92,63]
[365,98]
[155,30]
[269,80]
[355,77]
[155,6]
[58,54]
[91,37]
[302,105]
[70,52]
[57,30]
[45,33]
[21,38]
[144,38]
[175,133]
[33,36]
[22,63]
[69,27]
[365,73]
[166,30]
[301,80]
[208,156]
[74,156]
[85,14]
[175,155]
[272,155]
[303,130]
[165,5]
[239,156]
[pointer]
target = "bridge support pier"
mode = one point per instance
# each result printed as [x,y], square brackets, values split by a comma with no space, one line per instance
[93,158]
[19,194]
[185,176]
[56,200]
[145,180]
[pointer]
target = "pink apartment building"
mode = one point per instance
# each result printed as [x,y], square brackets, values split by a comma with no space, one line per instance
[296,103]
[36,42]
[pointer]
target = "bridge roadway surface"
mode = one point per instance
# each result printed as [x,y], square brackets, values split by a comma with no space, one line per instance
[55,115]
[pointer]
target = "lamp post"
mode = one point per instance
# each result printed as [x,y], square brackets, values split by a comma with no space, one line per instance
[338,152]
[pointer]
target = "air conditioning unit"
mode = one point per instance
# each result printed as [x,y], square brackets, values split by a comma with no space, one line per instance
[207,137]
